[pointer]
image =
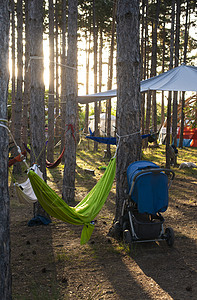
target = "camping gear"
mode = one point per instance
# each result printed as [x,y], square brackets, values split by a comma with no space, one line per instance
[85,211]
[147,198]
[25,191]
[112,140]
[181,78]
[189,137]
[53,165]
[49,164]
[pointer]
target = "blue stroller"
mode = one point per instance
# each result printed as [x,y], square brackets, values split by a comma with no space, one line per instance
[147,198]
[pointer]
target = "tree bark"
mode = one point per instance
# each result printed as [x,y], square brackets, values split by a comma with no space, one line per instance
[37,110]
[146,67]
[50,144]
[163,69]
[128,93]
[19,93]
[13,65]
[63,76]
[57,98]
[68,190]
[27,79]
[100,72]
[154,67]
[148,113]
[168,126]
[142,64]
[88,41]
[5,273]
[110,78]
[177,41]
[95,39]
[183,94]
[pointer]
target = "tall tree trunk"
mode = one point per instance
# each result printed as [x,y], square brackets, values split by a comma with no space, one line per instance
[5,273]
[154,67]
[142,64]
[128,92]
[27,79]
[88,41]
[13,65]
[63,76]
[146,67]
[148,115]
[163,69]
[182,120]
[19,95]
[168,126]
[95,39]
[68,190]
[183,94]
[37,109]
[50,144]
[177,38]
[110,77]
[57,104]
[100,72]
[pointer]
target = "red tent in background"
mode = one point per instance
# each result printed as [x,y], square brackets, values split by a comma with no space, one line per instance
[189,137]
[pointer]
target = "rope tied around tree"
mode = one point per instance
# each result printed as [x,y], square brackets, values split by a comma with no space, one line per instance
[123,136]
[71,127]
[23,158]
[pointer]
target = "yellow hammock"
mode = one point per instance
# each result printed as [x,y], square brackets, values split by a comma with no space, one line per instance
[84,212]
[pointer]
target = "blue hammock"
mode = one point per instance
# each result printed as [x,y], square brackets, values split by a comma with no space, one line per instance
[107,140]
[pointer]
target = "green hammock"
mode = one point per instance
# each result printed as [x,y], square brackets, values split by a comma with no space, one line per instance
[85,211]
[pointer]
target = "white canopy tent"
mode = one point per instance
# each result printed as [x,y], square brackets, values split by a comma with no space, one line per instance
[182,78]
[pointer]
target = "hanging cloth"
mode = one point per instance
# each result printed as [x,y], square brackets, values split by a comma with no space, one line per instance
[50,165]
[109,140]
[25,191]
[84,212]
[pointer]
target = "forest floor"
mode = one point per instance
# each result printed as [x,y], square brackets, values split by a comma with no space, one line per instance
[48,262]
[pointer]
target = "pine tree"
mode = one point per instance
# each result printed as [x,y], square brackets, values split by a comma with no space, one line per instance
[50,144]
[68,189]
[128,103]
[5,273]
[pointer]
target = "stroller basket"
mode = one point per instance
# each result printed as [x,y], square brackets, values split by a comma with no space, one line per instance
[146,228]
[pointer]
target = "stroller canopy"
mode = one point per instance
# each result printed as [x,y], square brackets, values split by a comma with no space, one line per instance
[150,191]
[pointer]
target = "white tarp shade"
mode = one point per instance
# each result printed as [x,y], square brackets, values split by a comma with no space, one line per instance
[182,78]
[97,97]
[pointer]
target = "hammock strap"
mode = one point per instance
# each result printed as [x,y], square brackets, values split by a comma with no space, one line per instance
[37,157]
[18,148]
[123,136]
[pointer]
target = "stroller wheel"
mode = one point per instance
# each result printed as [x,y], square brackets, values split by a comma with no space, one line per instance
[127,237]
[117,230]
[169,232]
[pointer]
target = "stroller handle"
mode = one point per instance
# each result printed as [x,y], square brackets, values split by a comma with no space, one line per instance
[152,170]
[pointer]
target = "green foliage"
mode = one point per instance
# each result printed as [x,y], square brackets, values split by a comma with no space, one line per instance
[103,11]
[190,113]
